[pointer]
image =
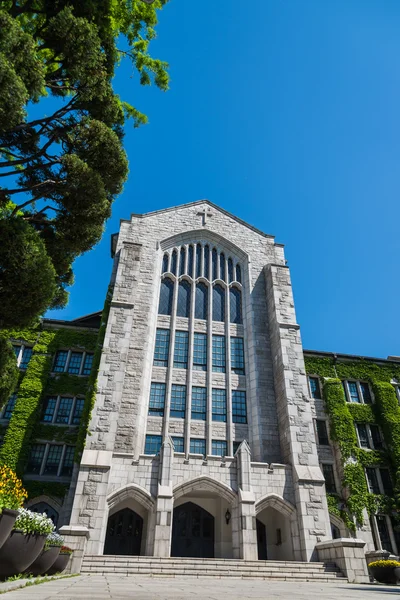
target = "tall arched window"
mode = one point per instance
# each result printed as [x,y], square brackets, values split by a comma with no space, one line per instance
[207,261]
[190,261]
[198,260]
[230,270]
[183,308]
[166,295]
[182,261]
[238,274]
[235,299]
[218,303]
[214,264]
[174,262]
[222,266]
[201,307]
[165,263]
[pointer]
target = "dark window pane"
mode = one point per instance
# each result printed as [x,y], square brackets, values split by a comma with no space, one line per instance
[363,435]
[68,462]
[199,403]
[386,482]
[239,412]
[48,409]
[366,393]
[166,295]
[237,355]
[181,350]
[353,391]
[190,261]
[153,444]
[53,460]
[384,533]
[197,446]
[322,433]
[79,404]
[174,262]
[315,387]
[222,271]
[235,298]
[230,270]
[64,410]
[198,260]
[16,350]
[165,263]
[75,361]
[376,437]
[178,401]
[179,444]
[161,350]
[218,303]
[200,352]
[87,366]
[218,405]
[26,357]
[183,308]
[61,359]
[372,480]
[329,476]
[238,274]
[157,399]
[218,448]
[207,262]
[218,354]
[214,264]
[35,458]
[10,406]
[201,306]
[236,447]
[182,261]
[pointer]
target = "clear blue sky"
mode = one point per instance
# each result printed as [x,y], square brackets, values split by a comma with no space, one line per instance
[286,113]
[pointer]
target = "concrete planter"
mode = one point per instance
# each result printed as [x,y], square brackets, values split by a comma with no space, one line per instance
[44,561]
[385,574]
[19,551]
[7,520]
[59,565]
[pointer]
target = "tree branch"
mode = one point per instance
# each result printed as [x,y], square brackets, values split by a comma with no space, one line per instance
[21,161]
[30,168]
[31,188]
[59,113]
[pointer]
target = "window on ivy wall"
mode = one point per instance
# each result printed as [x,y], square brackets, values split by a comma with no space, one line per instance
[322,432]
[166,297]
[9,407]
[369,436]
[62,410]
[178,401]
[23,354]
[200,352]
[329,476]
[51,459]
[157,399]
[161,350]
[199,403]
[197,446]
[383,529]
[357,391]
[315,387]
[181,350]
[73,362]
[379,480]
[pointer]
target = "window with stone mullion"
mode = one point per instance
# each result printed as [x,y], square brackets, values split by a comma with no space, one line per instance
[218,354]
[178,401]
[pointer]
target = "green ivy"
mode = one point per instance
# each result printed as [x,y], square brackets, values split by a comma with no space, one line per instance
[64,383]
[53,489]
[55,433]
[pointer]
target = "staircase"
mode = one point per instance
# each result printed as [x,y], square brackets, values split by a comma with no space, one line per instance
[213,567]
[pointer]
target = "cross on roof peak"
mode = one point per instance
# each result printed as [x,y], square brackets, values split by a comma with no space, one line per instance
[205,212]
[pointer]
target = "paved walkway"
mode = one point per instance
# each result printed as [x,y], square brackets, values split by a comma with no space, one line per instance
[139,587]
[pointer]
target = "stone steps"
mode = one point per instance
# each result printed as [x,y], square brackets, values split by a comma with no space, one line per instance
[177,567]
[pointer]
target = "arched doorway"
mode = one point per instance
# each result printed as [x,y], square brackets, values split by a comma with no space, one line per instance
[192,532]
[124,533]
[261,540]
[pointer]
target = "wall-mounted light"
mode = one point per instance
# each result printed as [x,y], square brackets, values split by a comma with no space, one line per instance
[227,516]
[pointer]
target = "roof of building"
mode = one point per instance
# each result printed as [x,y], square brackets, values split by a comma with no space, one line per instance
[92,321]
[347,357]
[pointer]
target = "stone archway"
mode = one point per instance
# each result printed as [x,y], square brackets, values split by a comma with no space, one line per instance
[276,520]
[193,531]
[124,533]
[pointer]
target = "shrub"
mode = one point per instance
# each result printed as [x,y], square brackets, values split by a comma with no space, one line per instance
[12,494]
[384,563]
[66,550]
[31,522]
[54,539]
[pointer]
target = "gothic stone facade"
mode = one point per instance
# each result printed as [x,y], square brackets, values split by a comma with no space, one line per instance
[182,431]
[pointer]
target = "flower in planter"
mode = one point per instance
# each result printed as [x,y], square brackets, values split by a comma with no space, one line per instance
[12,494]
[385,563]
[65,550]
[54,539]
[31,522]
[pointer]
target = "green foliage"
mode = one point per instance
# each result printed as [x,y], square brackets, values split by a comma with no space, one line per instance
[71,165]
[55,433]
[362,413]
[385,563]
[340,420]
[8,370]
[52,489]
[64,383]
[24,265]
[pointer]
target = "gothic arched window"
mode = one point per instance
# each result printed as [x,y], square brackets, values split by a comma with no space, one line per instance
[182,261]
[165,263]
[201,307]
[198,260]
[238,274]
[218,303]
[43,507]
[230,270]
[183,308]
[166,295]
[174,262]
[190,261]
[222,266]
[214,264]
[235,299]
[207,261]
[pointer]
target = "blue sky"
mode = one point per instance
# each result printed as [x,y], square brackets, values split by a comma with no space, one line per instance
[286,113]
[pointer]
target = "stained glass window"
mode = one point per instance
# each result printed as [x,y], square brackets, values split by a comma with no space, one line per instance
[182,261]
[207,261]
[214,264]
[198,260]
[201,306]
[222,274]
[174,262]
[166,295]
[238,274]
[235,298]
[190,261]
[230,270]
[183,308]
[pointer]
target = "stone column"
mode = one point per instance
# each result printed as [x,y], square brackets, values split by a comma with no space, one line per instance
[295,422]
[247,510]
[165,502]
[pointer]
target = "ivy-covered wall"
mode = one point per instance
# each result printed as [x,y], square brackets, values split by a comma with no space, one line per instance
[35,384]
[385,412]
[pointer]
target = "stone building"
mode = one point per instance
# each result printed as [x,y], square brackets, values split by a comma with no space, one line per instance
[207,438]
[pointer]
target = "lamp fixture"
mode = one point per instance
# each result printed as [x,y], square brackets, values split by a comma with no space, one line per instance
[228,516]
